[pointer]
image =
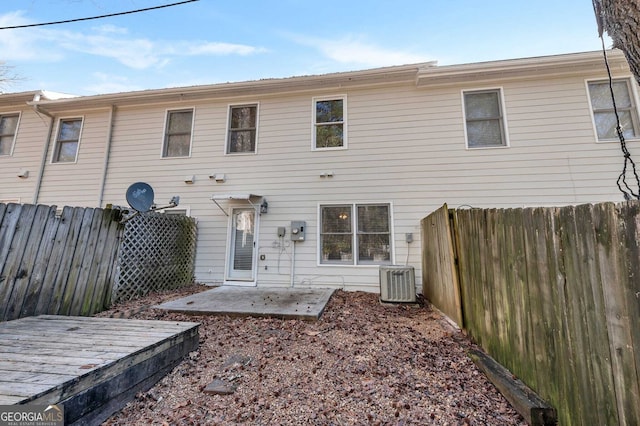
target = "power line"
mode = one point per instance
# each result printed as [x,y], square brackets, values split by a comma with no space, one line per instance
[97,17]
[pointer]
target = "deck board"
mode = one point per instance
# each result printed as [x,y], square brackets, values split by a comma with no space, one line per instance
[90,365]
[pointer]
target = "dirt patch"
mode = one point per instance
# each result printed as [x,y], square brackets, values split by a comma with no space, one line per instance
[361,363]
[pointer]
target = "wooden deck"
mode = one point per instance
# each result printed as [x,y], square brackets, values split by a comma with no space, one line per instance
[92,366]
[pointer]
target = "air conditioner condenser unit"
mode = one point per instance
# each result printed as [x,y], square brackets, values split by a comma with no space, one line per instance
[397,283]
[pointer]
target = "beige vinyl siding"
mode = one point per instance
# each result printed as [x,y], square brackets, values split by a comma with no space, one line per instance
[77,184]
[27,154]
[406,148]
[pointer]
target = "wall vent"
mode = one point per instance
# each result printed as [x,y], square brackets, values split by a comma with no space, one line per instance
[397,283]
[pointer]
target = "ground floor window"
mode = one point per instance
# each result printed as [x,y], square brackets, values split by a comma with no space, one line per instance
[355,234]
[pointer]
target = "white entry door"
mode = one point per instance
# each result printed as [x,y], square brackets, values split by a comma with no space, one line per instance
[242,245]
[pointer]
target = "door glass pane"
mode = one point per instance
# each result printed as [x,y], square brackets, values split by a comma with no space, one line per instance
[243,240]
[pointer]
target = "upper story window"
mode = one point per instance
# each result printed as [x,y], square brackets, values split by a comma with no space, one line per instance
[177,135]
[243,126]
[484,119]
[67,140]
[329,123]
[355,234]
[8,128]
[604,117]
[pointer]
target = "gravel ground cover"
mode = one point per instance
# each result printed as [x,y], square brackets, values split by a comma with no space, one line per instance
[362,363]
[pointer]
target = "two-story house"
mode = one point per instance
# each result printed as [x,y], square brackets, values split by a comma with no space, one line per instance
[355,159]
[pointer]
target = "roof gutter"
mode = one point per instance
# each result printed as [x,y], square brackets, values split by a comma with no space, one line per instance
[557,65]
[277,86]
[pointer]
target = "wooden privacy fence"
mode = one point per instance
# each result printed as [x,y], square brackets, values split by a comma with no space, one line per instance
[79,262]
[553,294]
[52,264]
[157,253]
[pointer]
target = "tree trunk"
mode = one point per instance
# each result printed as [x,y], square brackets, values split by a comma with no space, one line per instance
[621,21]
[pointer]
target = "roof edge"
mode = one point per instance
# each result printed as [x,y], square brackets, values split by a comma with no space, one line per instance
[517,68]
[370,77]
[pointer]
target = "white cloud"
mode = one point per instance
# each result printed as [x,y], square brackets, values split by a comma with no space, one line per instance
[134,53]
[109,41]
[22,44]
[109,83]
[110,29]
[142,53]
[355,50]
[221,49]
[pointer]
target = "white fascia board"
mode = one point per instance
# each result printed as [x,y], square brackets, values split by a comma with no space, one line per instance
[520,68]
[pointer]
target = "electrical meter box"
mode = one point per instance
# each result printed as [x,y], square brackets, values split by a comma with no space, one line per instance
[298,230]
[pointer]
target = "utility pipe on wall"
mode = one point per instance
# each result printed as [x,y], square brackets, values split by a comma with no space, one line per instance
[293,263]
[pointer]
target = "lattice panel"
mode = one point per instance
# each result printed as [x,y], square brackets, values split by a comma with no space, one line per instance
[157,253]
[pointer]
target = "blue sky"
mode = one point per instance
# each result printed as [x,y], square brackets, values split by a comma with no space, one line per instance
[215,41]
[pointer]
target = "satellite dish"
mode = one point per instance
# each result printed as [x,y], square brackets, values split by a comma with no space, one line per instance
[140,196]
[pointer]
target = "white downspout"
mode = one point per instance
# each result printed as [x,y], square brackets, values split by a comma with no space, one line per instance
[107,154]
[45,150]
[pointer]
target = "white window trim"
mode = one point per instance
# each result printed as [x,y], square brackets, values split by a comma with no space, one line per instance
[503,110]
[180,208]
[634,98]
[354,260]
[164,131]
[345,121]
[226,142]
[15,135]
[55,140]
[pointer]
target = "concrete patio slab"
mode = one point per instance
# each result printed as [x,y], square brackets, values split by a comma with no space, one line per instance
[286,303]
